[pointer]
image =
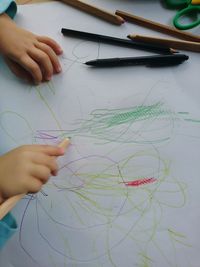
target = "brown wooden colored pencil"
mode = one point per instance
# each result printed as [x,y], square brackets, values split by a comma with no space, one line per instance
[158,26]
[9,204]
[178,44]
[96,11]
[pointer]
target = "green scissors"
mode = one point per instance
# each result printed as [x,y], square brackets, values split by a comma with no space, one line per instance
[189,7]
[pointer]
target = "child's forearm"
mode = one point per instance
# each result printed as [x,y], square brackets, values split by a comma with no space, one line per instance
[5,23]
[8,9]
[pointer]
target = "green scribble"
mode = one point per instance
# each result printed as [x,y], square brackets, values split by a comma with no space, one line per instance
[124,125]
[145,124]
[192,120]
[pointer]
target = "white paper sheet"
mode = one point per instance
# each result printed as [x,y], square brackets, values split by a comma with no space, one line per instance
[127,193]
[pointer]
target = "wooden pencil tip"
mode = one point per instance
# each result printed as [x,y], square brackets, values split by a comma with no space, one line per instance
[132,36]
[64,143]
[172,50]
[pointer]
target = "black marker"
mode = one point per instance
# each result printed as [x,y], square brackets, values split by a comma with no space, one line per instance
[150,61]
[117,41]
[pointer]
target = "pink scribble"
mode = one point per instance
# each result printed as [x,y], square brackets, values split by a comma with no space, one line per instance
[140,182]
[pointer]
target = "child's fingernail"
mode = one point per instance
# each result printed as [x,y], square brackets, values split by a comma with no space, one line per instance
[54,173]
[60,50]
[59,69]
[48,78]
[62,150]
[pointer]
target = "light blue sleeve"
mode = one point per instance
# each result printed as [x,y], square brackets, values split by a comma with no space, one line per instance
[8,227]
[9,7]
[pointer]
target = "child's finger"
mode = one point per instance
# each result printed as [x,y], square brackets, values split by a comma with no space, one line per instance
[34,186]
[32,67]
[18,70]
[52,55]
[41,172]
[54,151]
[43,61]
[50,42]
[46,160]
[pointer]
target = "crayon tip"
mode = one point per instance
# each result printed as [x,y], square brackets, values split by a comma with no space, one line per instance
[64,143]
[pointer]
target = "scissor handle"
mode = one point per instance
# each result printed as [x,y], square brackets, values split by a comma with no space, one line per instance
[177,3]
[183,12]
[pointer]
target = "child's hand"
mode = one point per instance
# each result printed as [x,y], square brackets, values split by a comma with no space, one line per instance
[26,168]
[29,56]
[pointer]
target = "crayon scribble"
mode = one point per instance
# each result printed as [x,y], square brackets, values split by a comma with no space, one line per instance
[103,188]
[140,182]
[145,124]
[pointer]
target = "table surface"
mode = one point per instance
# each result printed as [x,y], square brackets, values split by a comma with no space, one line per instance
[137,107]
